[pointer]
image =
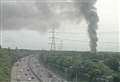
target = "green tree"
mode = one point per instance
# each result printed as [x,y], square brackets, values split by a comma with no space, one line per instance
[113,63]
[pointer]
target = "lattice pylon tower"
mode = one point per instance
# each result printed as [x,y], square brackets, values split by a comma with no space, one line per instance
[53,43]
[61,45]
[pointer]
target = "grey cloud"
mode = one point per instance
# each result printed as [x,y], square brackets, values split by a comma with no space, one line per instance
[38,15]
[29,15]
[41,15]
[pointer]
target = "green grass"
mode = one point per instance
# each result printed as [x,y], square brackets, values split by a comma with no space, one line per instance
[8,57]
[5,65]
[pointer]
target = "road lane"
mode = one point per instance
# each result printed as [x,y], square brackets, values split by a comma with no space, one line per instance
[21,72]
[29,69]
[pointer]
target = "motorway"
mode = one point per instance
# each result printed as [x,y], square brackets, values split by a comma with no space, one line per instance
[21,72]
[29,69]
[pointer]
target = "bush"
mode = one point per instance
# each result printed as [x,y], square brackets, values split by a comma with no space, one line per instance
[5,65]
[86,67]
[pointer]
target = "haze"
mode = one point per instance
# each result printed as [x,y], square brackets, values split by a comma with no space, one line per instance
[73,34]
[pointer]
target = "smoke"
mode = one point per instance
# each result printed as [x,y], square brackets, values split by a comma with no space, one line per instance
[23,14]
[89,12]
[41,15]
[38,15]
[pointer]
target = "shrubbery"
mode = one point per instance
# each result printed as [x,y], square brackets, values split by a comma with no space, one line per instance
[7,58]
[5,65]
[89,68]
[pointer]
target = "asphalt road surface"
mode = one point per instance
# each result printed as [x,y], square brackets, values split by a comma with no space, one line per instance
[29,69]
[21,72]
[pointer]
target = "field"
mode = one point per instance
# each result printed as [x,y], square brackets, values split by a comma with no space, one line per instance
[84,66]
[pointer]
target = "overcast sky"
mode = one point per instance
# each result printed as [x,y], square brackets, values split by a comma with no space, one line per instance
[24,28]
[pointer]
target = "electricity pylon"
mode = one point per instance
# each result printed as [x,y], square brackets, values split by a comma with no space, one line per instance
[61,45]
[53,44]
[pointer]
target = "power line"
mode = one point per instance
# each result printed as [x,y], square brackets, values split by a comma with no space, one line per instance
[61,45]
[78,33]
[53,45]
[59,39]
[74,40]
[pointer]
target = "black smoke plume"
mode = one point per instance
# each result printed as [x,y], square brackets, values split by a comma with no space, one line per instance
[88,10]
